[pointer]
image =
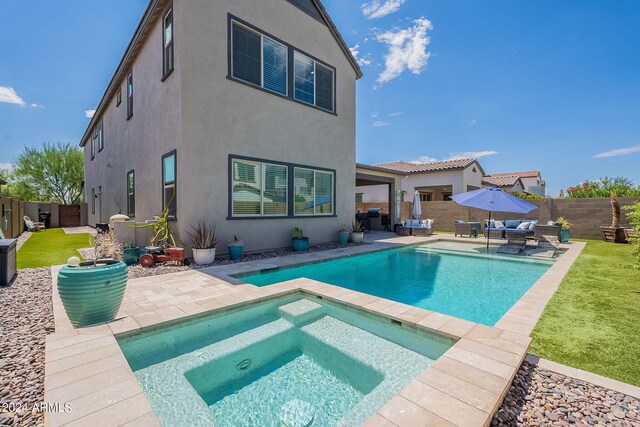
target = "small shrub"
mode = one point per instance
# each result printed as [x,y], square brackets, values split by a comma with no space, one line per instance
[633,213]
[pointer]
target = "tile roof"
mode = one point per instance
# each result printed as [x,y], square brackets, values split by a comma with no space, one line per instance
[501,180]
[525,174]
[410,167]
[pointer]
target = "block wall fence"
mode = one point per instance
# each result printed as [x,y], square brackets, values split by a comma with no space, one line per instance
[586,215]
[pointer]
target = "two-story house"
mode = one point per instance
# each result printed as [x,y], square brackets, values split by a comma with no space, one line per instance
[237,112]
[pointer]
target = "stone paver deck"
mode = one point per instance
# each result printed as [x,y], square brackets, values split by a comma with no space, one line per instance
[85,367]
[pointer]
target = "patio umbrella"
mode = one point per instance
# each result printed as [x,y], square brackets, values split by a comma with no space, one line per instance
[493,199]
[417,209]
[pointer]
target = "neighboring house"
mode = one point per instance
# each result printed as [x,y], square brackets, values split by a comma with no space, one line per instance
[510,183]
[435,181]
[236,112]
[532,181]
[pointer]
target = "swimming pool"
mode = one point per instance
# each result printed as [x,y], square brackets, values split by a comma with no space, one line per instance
[458,279]
[292,361]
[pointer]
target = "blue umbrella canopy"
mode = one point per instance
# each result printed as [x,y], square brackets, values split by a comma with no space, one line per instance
[493,199]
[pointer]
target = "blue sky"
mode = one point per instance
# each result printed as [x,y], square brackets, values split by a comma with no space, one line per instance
[545,85]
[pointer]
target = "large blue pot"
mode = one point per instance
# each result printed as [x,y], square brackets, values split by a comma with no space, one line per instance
[300,243]
[565,235]
[131,256]
[235,251]
[94,294]
[344,237]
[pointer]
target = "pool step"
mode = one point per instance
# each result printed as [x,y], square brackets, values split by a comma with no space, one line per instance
[301,311]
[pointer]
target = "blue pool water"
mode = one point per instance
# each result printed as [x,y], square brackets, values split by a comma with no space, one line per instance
[457,279]
[290,362]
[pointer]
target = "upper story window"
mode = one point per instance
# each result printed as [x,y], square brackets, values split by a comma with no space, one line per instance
[131,194]
[130,95]
[167,44]
[93,146]
[261,60]
[259,189]
[258,59]
[313,82]
[169,180]
[119,97]
[100,137]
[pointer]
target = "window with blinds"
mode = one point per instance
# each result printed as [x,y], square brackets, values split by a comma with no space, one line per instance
[169,181]
[313,192]
[313,82]
[258,189]
[258,59]
[167,44]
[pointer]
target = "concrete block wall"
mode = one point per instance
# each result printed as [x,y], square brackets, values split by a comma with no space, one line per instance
[586,215]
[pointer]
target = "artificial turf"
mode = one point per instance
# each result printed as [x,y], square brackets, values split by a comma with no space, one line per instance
[51,247]
[593,320]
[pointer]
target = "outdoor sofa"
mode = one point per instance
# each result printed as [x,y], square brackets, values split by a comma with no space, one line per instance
[416,227]
[510,227]
[470,229]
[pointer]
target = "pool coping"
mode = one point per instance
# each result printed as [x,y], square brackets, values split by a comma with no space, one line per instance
[86,368]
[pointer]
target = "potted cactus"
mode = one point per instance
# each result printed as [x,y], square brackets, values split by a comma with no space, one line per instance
[298,241]
[92,291]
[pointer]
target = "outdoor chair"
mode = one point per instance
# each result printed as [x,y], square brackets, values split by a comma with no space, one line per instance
[33,226]
[466,228]
[514,246]
[547,230]
[547,247]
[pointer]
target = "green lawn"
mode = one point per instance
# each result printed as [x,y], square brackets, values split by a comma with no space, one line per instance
[593,320]
[51,247]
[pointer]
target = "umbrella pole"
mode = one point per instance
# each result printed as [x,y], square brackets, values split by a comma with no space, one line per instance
[488,231]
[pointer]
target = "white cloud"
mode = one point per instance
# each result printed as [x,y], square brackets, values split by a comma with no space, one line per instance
[374,115]
[380,124]
[407,50]
[377,9]
[454,156]
[396,114]
[473,122]
[618,152]
[6,167]
[8,95]
[89,113]
[361,60]
[34,105]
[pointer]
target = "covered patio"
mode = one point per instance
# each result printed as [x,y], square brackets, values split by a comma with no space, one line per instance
[367,175]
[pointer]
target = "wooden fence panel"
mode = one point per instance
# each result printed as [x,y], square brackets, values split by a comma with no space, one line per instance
[69,215]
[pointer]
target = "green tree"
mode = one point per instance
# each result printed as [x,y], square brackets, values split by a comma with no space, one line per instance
[53,173]
[624,187]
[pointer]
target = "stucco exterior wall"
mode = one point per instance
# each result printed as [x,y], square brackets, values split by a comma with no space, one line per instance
[206,117]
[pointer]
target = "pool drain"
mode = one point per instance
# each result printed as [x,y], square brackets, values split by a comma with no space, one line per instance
[244,365]
[297,413]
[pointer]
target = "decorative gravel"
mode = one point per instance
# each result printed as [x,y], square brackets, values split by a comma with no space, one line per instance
[544,398]
[22,238]
[136,271]
[26,317]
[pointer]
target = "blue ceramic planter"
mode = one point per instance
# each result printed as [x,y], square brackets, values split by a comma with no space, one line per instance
[344,237]
[92,295]
[131,256]
[565,235]
[300,243]
[235,252]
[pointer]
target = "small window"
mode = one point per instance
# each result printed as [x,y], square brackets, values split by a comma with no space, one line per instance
[446,197]
[129,95]
[425,197]
[313,82]
[359,197]
[167,44]
[169,187]
[259,189]
[259,60]
[93,201]
[93,146]
[131,194]
[119,97]
[313,192]
[100,137]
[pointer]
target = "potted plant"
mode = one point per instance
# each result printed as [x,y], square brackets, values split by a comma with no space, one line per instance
[163,234]
[614,233]
[130,253]
[203,243]
[357,232]
[235,247]
[343,235]
[565,229]
[92,291]
[298,241]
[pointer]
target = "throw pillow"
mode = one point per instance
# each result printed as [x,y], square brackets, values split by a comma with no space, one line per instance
[533,224]
[523,226]
[498,224]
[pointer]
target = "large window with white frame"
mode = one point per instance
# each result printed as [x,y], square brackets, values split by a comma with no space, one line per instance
[258,59]
[313,192]
[258,188]
[167,44]
[313,82]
